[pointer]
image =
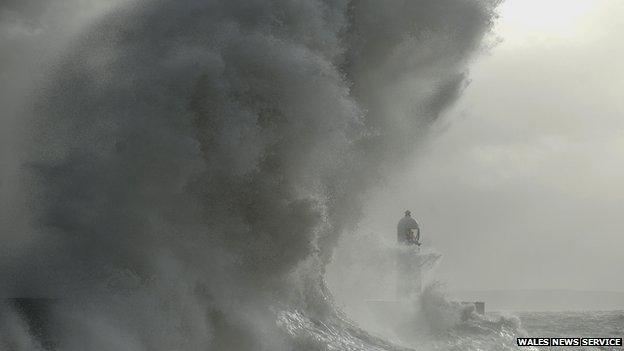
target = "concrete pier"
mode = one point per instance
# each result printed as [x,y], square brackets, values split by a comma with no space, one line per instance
[479,306]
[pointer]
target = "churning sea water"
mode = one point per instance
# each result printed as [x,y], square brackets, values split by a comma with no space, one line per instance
[574,324]
[440,324]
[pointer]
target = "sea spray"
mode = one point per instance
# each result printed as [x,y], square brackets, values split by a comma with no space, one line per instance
[215,151]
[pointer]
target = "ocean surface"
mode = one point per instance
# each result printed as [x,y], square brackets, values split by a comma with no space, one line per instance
[574,324]
[493,332]
[498,331]
[432,322]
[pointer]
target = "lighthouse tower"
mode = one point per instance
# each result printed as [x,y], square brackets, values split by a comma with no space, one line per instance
[409,272]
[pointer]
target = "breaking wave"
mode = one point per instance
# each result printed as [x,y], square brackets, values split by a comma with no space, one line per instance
[194,164]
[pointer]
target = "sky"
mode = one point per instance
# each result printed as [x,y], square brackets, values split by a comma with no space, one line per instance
[520,185]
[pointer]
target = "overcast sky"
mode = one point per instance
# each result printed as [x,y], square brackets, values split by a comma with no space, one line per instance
[522,185]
